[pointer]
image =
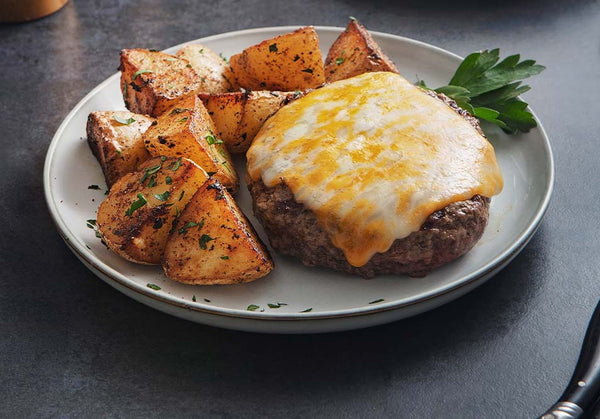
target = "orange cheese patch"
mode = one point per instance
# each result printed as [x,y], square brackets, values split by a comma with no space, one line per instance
[373,156]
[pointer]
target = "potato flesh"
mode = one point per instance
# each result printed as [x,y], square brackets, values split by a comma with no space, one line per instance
[239,116]
[140,234]
[151,81]
[118,147]
[214,71]
[285,63]
[355,52]
[214,243]
[186,130]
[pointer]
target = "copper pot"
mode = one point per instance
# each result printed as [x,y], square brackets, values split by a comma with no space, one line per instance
[25,10]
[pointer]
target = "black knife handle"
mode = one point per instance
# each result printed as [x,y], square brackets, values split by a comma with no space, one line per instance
[584,388]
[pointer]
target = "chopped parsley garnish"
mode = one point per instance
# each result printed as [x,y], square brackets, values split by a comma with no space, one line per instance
[188,65]
[96,187]
[223,57]
[190,224]
[207,300]
[153,286]
[163,158]
[307,310]
[91,223]
[377,301]
[123,121]
[252,307]
[296,57]
[168,180]
[119,152]
[137,73]
[150,171]
[201,51]
[225,257]
[163,196]
[276,305]
[203,240]
[489,89]
[185,118]
[175,165]
[141,201]
[273,48]
[211,139]
[179,110]
[181,195]
[194,298]
[152,181]
[340,60]
[307,70]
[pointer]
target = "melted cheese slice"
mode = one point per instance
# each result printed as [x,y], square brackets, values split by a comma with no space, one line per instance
[373,156]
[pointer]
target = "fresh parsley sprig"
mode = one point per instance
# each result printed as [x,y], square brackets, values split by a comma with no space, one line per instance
[489,89]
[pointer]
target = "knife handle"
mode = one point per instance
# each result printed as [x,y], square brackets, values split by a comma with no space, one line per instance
[584,388]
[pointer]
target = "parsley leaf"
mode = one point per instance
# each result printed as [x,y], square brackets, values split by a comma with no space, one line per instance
[163,196]
[137,73]
[123,121]
[141,201]
[203,240]
[252,307]
[489,89]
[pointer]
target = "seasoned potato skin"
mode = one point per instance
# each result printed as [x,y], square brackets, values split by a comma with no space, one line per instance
[355,52]
[186,130]
[285,63]
[214,72]
[151,80]
[118,147]
[213,242]
[141,235]
[239,116]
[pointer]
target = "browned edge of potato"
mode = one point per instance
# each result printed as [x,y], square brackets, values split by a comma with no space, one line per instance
[239,116]
[214,243]
[115,138]
[187,130]
[152,80]
[287,62]
[213,70]
[355,52]
[135,218]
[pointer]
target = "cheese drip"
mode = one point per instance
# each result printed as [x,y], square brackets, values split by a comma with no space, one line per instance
[373,156]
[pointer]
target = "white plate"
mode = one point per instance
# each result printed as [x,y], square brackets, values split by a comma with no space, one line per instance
[338,301]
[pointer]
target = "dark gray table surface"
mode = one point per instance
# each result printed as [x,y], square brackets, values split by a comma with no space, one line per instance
[70,345]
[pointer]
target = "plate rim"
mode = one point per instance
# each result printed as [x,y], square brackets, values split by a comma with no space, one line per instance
[81,252]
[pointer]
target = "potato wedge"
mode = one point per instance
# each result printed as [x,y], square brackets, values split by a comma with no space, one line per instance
[214,71]
[115,138]
[213,242]
[355,52]
[136,216]
[238,116]
[287,62]
[151,80]
[186,130]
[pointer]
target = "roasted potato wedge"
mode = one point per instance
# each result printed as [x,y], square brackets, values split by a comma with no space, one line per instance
[115,138]
[151,80]
[135,218]
[355,52]
[238,116]
[186,130]
[214,71]
[213,242]
[287,62]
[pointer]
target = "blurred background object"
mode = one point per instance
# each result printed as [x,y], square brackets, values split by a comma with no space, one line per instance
[25,10]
